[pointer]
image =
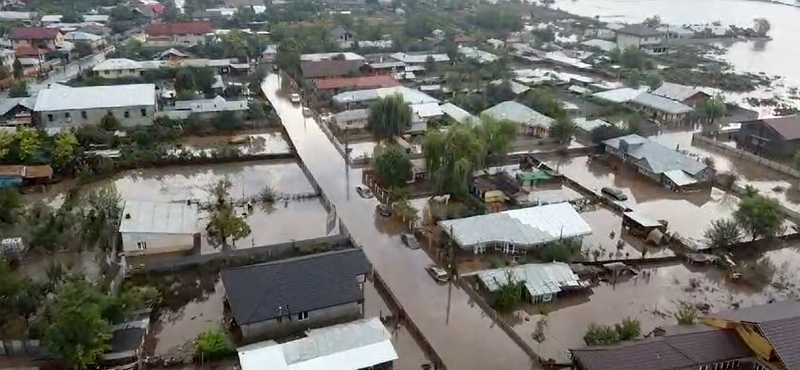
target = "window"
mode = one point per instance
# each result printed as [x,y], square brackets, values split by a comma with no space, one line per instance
[127,114]
[141,245]
[143,112]
[83,114]
[302,316]
[66,115]
[50,117]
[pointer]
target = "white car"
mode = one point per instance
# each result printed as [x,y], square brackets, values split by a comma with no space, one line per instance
[437,273]
[306,112]
[295,98]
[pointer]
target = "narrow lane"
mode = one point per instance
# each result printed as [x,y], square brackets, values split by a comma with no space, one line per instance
[459,331]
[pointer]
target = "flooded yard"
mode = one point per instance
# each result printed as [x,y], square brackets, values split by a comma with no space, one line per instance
[687,213]
[253,143]
[364,149]
[608,242]
[651,300]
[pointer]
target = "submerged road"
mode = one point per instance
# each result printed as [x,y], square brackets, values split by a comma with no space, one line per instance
[458,330]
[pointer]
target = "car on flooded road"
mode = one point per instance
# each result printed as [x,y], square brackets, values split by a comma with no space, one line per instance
[364,192]
[383,210]
[410,241]
[614,193]
[306,112]
[294,98]
[437,273]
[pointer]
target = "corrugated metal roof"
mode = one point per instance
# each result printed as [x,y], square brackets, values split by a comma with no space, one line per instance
[328,56]
[538,278]
[455,112]
[587,125]
[526,227]
[159,218]
[419,58]
[679,177]
[662,104]
[656,157]
[426,110]
[355,345]
[642,219]
[410,96]
[519,113]
[622,95]
[95,97]
[676,91]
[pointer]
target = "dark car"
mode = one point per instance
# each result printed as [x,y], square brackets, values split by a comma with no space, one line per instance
[410,241]
[383,210]
[614,193]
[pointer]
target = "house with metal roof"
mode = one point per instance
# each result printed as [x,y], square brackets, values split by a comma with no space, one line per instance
[530,121]
[361,344]
[519,230]
[772,331]
[151,228]
[685,94]
[648,40]
[690,348]
[289,296]
[131,105]
[655,107]
[542,281]
[476,54]
[205,109]
[777,137]
[421,58]
[664,165]
[355,119]
[458,114]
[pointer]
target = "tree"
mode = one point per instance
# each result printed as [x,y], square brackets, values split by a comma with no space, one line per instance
[602,133]
[497,135]
[406,213]
[652,22]
[653,80]
[632,57]
[722,233]
[71,17]
[109,122]
[224,222]
[597,335]
[759,216]
[18,90]
[287,57]
[761,26]
[544,101]
[562,130]
[17,69]
[29,143]
[452,157]
[392,165]
[4,72]
[633,78]
[64,149]
[6,139]
[711,109]
[75,330]
[540,331]
[389,117]
[628,329]
[213,344]
[83,49]
[509,293]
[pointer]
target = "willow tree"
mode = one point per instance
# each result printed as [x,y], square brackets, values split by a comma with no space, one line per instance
[498,135]
[452,157]
[710,110]
[389,117]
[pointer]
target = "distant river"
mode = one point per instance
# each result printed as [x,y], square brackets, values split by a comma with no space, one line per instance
[776,57]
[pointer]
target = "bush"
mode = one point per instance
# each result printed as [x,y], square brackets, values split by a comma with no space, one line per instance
[213,344]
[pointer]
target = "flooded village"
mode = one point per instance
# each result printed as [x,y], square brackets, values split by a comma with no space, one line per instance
[604,185]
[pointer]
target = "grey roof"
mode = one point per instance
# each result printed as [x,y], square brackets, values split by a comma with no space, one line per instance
[662,104]
[8,104]
[589,125]
[525,227]
[656,157]
[477,54]
[217,104]
[604,45]
[351,115]
[96,97]
[762,313]
[268,290]
[516,87]
[127,339]
[17,16]
[519,113]
[387,65]
[678,351]
[642,219]
[538,278]
[622,95]
[158,218]
[410,96]
[457,113]
[676,91]
[419,58]
[641,31]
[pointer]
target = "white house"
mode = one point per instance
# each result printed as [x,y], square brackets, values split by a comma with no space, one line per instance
[648,40]
[131,105]
[206,108]
[118,68]
[150,228]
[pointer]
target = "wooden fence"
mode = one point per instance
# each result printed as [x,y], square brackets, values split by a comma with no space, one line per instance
[729,150]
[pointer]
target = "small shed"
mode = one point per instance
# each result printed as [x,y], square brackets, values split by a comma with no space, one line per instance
[639,224]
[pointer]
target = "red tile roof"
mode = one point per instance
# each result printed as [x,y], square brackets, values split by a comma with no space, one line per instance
[187,28]
[360,83]
[33,33]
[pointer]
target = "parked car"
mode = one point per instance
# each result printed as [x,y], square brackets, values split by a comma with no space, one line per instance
[295,98]
[410,241]
[306,112]
[383,210]
[364,192]
[614,193]
[437,273]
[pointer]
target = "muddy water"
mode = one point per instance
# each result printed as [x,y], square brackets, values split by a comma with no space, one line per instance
[257,143]
[650,198]
[776,57]
[606,236]
[450,322]
[651,301]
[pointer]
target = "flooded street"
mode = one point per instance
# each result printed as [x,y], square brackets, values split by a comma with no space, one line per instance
[450,322]
[775,57]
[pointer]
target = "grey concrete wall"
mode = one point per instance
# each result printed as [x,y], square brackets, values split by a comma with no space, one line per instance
[94,116]
[319,318]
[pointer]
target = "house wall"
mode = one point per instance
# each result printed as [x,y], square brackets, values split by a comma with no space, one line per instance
[156,243]
[356,124]
[318,318]
[75,118]
[51,44]
[120,73]
[759,138]
[623,41]
[176,40]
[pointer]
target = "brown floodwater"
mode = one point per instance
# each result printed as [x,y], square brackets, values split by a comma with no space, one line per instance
[257,142]
[447,318]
